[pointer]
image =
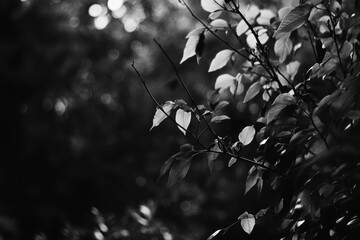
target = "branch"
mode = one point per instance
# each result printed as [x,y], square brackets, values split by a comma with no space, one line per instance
[189,94]
[161,108]
[213,33]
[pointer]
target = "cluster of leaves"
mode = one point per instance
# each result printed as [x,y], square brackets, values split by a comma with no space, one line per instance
[307,118]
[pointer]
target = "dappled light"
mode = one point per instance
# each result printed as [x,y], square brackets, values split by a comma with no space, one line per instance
[180,120]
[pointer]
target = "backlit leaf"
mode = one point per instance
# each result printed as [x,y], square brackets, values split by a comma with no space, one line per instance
[215,14]
[190,47]
[219,23]
[262,36]
[247,135]
[224,81]
[232,161]
[218,119]
[292,68]
[293,20]
[248,223]
[241,28]
[183,119]
[253,90]
[214,234]
[160,115]
[220,60]
[212,5]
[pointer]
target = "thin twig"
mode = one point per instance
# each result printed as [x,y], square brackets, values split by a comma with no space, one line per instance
[189,95]
[161,108]
[213,33]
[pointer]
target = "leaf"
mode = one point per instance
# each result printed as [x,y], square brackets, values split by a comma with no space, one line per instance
[179,170]
[282,48]
[253,90]
[195,32]
[232,161]
[183,119]
[261,212]
[218,119]
[241,28]
[221,105]
[220,60]
[292,69]
[224,81]
[293,20]
[262,35]
[280,102]
[346,50]
[160,115]
[247,135]
[167,165]
[213,155]
[248,223]
[185,150]
[190,47]
[279,207]
[251,179]
[212,5]
[283,12]
[215,14]
[214,234]
[219,23]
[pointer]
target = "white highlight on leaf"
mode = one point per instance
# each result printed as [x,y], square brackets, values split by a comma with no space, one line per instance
[183,119]
[219,23]
[190,47]
[241,28]
[215,15]
[160,115]
[214,234]
[250,13]
[212,5]
[247,222]
[247,135]
[224,81]
[220,60]
[262,35]
[292,69]
[232,161]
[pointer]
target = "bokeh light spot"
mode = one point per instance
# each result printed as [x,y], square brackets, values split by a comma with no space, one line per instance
[74,22]
[130,24]
[115,4]
[95,10]
[140,181]
[119,13]
[60,106]
[101,22]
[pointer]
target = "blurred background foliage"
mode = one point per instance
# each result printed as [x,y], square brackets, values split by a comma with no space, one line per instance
[77,158]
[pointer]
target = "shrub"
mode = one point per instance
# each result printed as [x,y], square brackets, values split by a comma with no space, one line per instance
[301,66]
